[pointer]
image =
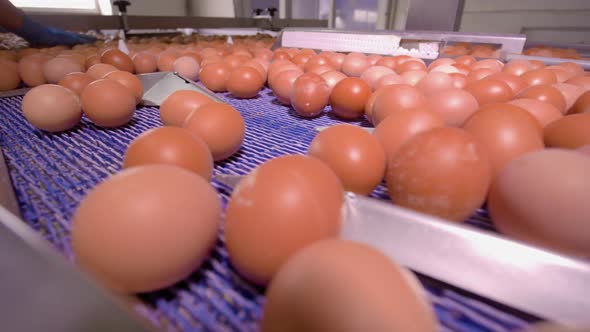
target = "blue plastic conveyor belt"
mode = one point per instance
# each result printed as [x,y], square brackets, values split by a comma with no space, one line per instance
[52,172]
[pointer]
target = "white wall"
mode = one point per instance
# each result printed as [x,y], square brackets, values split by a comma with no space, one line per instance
[565,21]
[210,8]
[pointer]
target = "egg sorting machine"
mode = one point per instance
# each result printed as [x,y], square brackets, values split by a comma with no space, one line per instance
[475,279]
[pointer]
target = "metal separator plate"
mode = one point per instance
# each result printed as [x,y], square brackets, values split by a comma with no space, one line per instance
[51,174]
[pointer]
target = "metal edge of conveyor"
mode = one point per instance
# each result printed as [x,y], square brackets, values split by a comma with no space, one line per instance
[41,291]
[549,60]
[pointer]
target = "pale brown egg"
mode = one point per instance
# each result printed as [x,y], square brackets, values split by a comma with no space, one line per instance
[76,82]
[214,76]
[410,65]
[244,82]
[332,78]
[570,92]
[316,61]
[537,64]
[355,64]
[493,64]
[453,105]
[273,72]
[561,74]
[180,104]
[353,154]
[466,60]
[479,74]
[443,172]
[316,281]
[572,67]
[52,108]
[100,70]
[372,59]
[389,79]
[55,69]
[397,98]
[282,206]
[187,67]
[434,82]
[372,75]
[170,146]
[506,132]
[445,69]
[530,203]
[220,126]
[309,95]
[284,84]
[412,77]
[108,103]
[128,80]
[545,93]
[117,224]
[569,132]
[257,64]
[338,60]
[581,81]
[387,61]
[545,113]
[400,127]
[489,91]
[30,69]
[440,62]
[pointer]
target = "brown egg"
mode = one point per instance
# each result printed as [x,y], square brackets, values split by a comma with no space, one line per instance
[301,59]
[440,62]
[572,67]
[443,171]
[309,95]
[55,69]
[282,206]
[387,61]
[244,82]
[493,64]
[479,74]
[536,64]
[545,113]
[353,154]
[209,60]
[517,67]
[561,74]
[355,64]
[320,69]
[373,58]
[570,92]
[582,104]
[453,105]
[581,81]
[317,60]
[389,79]
[76,82]
[400,127]
[466,60]
[516,83]
[397,98]
[506,131]
[316,281]
[30,70]
[180,104]
[118,59]
[459,80]
[349,96]
[100,70]
[337,60]
[539,77]
[435,81]
[170,146]
[220,126]
[275,71]
[187,67]
[332,78]
[284,84]
[410,66]
[279,55]
[116,225]
[370,104]
[193,55]
[52,108]
[214,76]
[91,61]
[542,198]
[234,61]
[488,91]
[412,77]
[128,80]
[165,61]
[256,64]
[569,132]
[108,103]
[547,94]
[445,69]
[463,69]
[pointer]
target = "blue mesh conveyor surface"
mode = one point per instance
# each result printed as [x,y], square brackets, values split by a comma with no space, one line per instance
[52,172]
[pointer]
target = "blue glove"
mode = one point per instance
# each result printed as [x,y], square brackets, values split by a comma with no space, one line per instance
[39,35]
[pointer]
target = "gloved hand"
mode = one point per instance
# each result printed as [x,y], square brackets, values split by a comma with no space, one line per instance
[39,35]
